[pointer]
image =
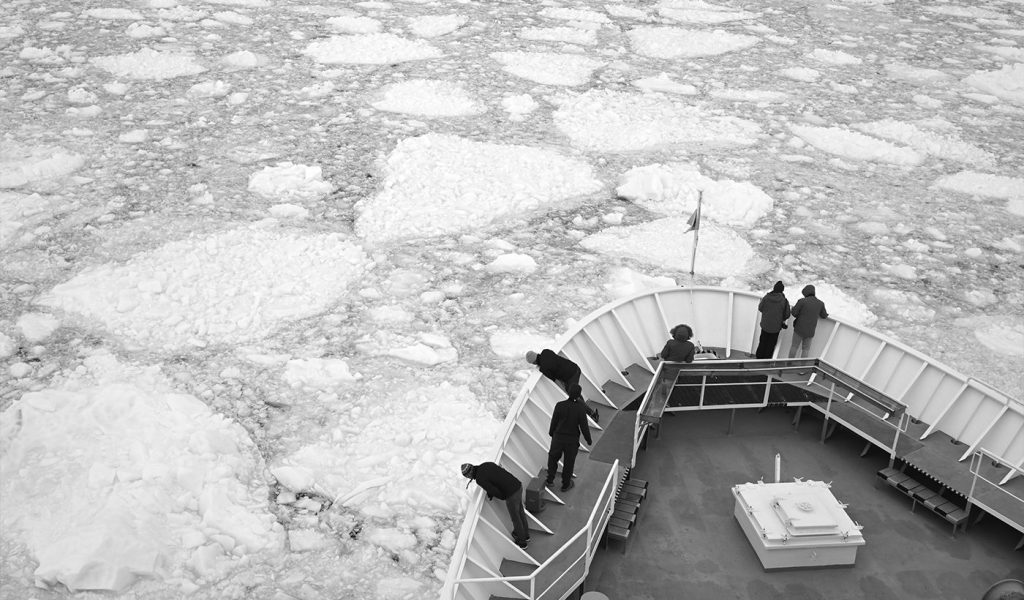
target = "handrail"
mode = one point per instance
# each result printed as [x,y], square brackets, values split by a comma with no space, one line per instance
[975,467]
[663,384]
[587,528]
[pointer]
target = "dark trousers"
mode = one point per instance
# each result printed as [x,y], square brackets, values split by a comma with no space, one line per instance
[520,529]
[766,345]
[566,449]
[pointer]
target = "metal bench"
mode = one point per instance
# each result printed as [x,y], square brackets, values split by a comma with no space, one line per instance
[921,494]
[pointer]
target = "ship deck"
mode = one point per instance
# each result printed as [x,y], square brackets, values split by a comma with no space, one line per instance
[687,544]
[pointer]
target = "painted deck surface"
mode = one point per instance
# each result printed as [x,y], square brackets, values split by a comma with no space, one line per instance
[687,544]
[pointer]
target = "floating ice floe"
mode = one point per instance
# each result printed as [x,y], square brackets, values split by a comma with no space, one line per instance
[512,263]
[1003,334]
[287,181]
[436,184]
[805,74]
[624,282]
[663,82]
[610,121]
[1006,84]
[938,144]
[230,287]
[701,13]
[574,14]
[36,327]
[131,479]
[987,184]
[396,450]
[346,24]
[667,244]
[672,189]
[915,74]
[519,106]
[22,164]
[431,26]
[569,35]
[147,63]
[369,49]
[834,57]
[549,68]
[857,146]
[676,42]
[244,59]
[318,373]
[428,97]
[513,343]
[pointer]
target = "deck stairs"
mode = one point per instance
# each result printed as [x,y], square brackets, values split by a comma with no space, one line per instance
[556,515]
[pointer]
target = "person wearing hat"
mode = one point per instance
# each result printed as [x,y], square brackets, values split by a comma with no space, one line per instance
[561,370]
[500,484]
[806,313]
[774,309]
[568,421]
[679,348]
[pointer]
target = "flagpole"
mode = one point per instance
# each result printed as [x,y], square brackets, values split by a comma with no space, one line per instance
[696,231]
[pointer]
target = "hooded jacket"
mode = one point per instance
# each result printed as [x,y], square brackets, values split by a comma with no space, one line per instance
[806,313]
[555,367]
[774,311]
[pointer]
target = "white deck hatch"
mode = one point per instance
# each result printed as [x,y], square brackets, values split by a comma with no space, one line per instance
[796,524]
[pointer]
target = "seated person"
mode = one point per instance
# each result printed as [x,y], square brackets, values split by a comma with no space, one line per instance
[679,348]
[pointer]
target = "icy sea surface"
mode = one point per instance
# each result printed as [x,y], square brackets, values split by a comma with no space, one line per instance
[268,268]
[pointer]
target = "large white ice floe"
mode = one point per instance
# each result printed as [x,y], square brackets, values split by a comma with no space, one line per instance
[436,184]
[384,464]
[721,252]
[609,121]
[429,98]
[550,68]
[987,184]
[147,63]
[1006,84]
[677,42]
[288,181]
[941,144]
[229,287]
[673,189]
[369,49]
[857,146]
[24,164]
[130,479]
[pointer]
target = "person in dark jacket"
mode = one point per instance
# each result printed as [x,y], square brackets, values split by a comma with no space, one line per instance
[500,484]
[561,370]
[679,348]
[806,313]
[774,309]
[568,421]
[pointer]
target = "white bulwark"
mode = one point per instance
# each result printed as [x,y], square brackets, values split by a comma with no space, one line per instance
[797,524]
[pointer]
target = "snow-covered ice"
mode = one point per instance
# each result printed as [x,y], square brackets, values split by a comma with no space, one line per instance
[459,184]
[229,287]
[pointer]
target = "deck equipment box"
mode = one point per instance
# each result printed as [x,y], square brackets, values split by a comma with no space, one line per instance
[796,524]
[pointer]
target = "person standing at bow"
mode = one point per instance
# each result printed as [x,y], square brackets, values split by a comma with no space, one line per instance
[774,309]
[568,422]
[806,313]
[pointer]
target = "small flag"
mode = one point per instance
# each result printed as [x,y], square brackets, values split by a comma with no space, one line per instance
[694,222]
